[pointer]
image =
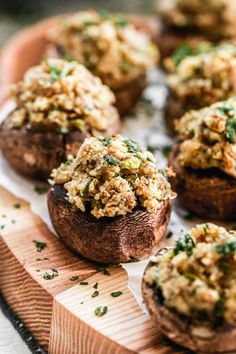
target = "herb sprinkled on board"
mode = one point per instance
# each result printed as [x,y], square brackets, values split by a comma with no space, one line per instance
[116,293]
[40,189]
[95,294]
[83,283]
[50,276]
[74,278]
[101,311]
[39,245]
[17,206]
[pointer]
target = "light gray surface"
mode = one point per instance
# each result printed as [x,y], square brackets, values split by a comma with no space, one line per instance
[10,340]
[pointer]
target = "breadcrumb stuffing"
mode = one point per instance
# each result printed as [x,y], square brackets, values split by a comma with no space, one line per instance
[61,96]
[112,176]
[197,276]
[207,137]
[205,78]
[108,45]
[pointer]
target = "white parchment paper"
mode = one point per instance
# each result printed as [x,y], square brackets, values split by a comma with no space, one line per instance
[147,127]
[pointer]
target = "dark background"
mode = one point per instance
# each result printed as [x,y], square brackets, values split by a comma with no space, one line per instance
[17,14]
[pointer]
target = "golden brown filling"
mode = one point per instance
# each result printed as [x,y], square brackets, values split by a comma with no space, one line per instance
[112,176]
[108,45]
[197,277]
[61,96]
[202,79]
[208,138]
[214,17]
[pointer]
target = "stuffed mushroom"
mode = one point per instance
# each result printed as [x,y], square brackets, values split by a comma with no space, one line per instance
[111,48]
[190,290]
[110,203]
[190,22]
[57,105]
[200,78]
[204,161]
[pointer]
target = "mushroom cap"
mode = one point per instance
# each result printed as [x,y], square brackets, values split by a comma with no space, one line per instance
[200,336]
[107,240]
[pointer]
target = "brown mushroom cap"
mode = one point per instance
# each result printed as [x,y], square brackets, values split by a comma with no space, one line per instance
[200,336]
[207,193]
[107,240]
[35,154]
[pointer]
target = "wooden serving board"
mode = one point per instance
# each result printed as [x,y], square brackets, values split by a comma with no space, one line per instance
[60,312]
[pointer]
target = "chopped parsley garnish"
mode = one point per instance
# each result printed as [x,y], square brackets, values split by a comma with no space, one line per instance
[190,276]
[184,243]
[55,72]
[104,140]
[74,278]
[95,294]
[116,293]
[40,189]
[83,283]
[42,259]
[121,21]
[2,227]
[169,234]
[95,285]
[105,271]
[101,310]
[13,221]
[17,205]
[89,22]
[228,248]
[63,130]
[206,228]
[39,245]
[132,146]
[165,150]
[49,276]
[230,130]
[133,260]
[186,50]
[111,160]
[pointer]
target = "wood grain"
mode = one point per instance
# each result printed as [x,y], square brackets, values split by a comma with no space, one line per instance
[60,312]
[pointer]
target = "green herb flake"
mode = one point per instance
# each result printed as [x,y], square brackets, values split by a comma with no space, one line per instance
[206,228]
[190,276]
[2,227]
[228,248]
[95,294]
[55,72]
[104,140]
[13,221]
[50,276]
[185,244]
[74,278]
[104,271]
[42,259]
[17,206]
[83,283]
[40,189]
[111,160]
[121,22]
[133,260]
[169,234]
[79,124]
[100,311]
[39,245]
[95,285]
[116,293]
[230,130]
[63,130]
[165,150]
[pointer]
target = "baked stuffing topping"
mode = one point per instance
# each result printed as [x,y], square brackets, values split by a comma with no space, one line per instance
[108,45]
[208,137]
[112,176]
[61,96]
[214,17]
[202,79]
[196,278]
